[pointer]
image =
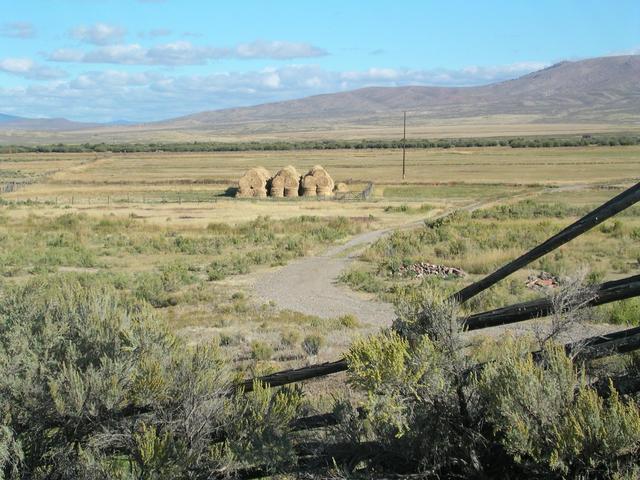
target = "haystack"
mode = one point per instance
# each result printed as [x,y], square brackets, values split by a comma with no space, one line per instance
[286,183]
[317,182]
[342,187]
[254,183]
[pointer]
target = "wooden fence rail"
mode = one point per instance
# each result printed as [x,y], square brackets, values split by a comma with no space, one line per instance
[315,454]
[605,293]
[608,292]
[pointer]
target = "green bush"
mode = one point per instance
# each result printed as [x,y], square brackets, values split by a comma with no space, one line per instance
[92,385]
[623,312]
[430,410]
[312,344]
[261,350]
[290,338]
[349,321]
[363,280]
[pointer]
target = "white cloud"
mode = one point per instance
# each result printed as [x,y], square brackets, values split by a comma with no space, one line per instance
[17,30]
[27,68]
[99,34]
[183,52]
[276,50]
[146,96]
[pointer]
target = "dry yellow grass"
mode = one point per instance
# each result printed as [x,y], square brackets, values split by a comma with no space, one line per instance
[472,165]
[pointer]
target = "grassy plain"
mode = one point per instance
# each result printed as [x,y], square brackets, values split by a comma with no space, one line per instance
[162,227]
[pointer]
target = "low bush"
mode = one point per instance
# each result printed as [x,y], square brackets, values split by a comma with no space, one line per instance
[312,344]
[261,350]
[93,386]
[363,280]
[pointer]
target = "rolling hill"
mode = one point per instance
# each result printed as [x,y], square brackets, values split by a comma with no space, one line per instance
[599,94]
[595,89]
[11,122]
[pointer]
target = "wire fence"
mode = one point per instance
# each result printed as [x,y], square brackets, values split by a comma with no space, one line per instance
[163,197]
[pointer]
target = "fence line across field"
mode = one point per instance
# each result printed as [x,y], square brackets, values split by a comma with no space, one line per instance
[185,197]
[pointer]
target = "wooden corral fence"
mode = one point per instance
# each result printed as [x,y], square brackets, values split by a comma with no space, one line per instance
[317,455]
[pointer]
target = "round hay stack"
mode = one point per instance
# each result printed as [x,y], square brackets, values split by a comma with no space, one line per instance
[286,183]
[317,182]
[342,187]
[254,183]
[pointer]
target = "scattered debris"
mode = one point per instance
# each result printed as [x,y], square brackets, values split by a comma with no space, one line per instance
[423,269]
[542,280]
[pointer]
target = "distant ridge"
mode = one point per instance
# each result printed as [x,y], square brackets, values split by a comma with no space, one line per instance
[605,88]
[10,122]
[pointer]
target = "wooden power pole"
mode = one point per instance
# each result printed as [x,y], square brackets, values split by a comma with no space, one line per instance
[404,145]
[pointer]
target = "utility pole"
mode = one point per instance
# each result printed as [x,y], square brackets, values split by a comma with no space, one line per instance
[404,145]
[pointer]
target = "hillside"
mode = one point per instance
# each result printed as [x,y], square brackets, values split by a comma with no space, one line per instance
[10,122]
[599,94]
[569,91]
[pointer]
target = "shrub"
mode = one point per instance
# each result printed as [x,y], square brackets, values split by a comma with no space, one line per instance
[349,321]
[217,270]
[92,385]
[624,312]
[547,417]
[362,280]
[312,344]
[261,350]
[290,338]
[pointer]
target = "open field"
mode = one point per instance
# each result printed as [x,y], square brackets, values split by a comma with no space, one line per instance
[163,227]
[150,247]
[203,176]
[389,127]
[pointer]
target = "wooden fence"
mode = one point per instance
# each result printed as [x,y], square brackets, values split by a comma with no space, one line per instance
[315,455]
[588,349]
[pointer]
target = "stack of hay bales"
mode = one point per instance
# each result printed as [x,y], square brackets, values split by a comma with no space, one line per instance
[317,182]
[286,183]
[254,183]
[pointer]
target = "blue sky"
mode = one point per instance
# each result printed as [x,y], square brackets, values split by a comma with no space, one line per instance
[143,60]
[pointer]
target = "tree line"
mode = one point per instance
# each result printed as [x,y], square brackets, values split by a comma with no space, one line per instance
[513,142]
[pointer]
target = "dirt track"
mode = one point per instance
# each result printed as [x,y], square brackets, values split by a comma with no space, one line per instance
[309,285]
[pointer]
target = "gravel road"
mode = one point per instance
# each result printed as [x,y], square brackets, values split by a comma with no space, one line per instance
[309,285]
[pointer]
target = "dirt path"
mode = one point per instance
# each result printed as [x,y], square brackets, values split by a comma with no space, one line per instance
[310,285]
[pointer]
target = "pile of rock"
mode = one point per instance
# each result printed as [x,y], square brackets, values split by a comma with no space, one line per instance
[542,280]
[423,269]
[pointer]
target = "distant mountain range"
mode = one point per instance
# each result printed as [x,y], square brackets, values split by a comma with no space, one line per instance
[11,122]
[586,90]
[603,91]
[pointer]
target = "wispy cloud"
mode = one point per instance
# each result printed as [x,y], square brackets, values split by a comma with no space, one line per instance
[27,68]
[17,30]
[99,33]
[145,96]
[186,53]
[159,32]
